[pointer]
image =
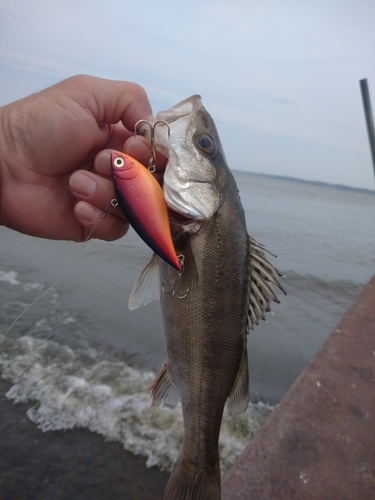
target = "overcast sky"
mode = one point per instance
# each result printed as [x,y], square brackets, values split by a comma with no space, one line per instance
[280,77]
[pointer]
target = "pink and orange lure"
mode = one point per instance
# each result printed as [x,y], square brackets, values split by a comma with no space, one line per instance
[141,199]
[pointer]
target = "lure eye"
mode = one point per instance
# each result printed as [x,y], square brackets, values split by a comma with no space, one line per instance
[118,162]
[206,144]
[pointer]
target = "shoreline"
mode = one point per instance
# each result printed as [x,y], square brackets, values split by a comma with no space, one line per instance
[62,465]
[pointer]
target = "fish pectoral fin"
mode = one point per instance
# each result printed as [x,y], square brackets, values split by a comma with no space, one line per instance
[238,399]
[164,393]
[147,286]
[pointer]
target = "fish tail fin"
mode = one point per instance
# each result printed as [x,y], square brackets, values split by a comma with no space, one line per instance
[189,483]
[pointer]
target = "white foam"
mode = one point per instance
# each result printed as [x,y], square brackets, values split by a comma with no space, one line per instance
[10,277]
[33,286]
[77,389]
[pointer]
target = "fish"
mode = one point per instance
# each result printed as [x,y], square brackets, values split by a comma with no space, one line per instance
[142,202]
[209,306]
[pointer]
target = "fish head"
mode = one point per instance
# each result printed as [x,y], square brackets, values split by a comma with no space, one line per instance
[196,165]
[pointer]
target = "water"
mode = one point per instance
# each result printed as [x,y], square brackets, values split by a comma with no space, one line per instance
[84,360]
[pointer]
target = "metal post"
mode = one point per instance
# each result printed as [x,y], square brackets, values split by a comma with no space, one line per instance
[368,116]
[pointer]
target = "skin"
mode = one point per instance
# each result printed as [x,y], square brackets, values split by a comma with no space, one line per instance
[55,172]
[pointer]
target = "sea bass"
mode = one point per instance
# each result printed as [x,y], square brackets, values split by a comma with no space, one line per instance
[209,306]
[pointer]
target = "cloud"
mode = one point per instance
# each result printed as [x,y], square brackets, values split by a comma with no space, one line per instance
[287,70]
[37,64]
[283,99]
[281,127]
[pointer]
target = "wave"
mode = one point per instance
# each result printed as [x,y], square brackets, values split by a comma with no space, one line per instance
[75,388]
[338,287]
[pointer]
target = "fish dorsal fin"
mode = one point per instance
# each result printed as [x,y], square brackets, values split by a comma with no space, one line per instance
[147,286]
[164,393]
[238,399]
[261,274]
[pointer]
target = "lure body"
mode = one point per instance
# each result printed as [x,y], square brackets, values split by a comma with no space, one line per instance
[141,199]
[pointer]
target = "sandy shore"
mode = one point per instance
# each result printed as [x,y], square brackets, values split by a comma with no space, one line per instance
[68,465]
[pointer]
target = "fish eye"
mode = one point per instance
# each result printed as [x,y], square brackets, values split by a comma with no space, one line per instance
[119,162]
[206,144]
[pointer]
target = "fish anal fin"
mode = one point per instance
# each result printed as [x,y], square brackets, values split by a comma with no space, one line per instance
[163,391]
[147,286]
[238,400]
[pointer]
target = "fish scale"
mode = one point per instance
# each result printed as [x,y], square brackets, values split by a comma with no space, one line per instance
[204,347]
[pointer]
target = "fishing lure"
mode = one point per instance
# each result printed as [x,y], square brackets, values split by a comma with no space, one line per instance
[142,202]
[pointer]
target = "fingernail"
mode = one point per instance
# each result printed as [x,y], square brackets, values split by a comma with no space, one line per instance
[82,184]
[103,163]
[87,212]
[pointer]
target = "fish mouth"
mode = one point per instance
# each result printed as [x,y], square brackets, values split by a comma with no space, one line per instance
[179,205]
[177,118]
[181,110]
[179,219]
[171,140]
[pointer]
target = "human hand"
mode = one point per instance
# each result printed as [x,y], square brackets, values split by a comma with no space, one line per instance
[48,136]
[96,188]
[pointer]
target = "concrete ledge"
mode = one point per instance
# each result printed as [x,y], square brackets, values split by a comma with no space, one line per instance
[319,444]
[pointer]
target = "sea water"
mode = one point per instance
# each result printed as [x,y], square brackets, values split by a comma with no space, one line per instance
[84,360]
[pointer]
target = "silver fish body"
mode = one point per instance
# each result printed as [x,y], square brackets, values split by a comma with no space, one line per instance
[208,307]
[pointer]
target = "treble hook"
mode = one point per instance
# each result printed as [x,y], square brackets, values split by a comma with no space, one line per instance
[152,162]
[181,258]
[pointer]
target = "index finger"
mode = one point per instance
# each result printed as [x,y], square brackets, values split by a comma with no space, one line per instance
[110,101]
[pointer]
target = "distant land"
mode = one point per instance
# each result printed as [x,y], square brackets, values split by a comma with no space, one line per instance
[314,183]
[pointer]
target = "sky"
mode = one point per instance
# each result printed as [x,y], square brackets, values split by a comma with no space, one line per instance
[280,78]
